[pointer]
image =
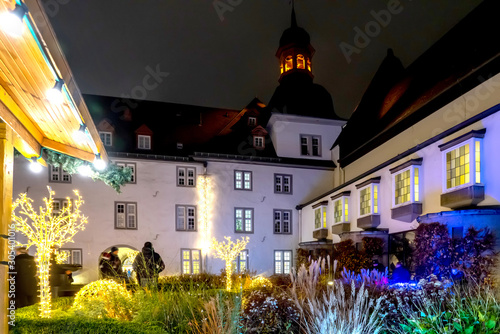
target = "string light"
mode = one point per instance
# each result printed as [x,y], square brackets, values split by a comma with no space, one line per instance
[81,134]
[55,95]
[229,251]
[35,167]
[12,22]
[84,170]
[47,230]
[205,205]
[99,164]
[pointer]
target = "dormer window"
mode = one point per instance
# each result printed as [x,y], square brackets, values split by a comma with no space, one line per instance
[252,121]
[300,62]
[258,142]
[143,142]
[288,63]
[106,138]
[310,145]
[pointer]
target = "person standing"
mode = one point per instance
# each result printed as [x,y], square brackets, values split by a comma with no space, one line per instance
[147,265]
[26,284]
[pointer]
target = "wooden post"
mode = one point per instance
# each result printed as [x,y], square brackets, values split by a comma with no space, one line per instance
[6,173]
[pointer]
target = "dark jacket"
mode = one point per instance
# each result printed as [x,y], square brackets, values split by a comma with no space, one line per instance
[148,264]
[26,282]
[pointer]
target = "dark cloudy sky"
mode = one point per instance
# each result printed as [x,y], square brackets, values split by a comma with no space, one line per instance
[222,53]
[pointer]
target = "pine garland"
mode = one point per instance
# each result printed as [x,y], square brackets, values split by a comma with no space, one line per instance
[114,176]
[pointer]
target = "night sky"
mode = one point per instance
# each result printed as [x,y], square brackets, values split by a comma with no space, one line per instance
[222,53]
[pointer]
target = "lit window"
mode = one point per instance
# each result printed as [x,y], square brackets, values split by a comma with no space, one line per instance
[241,262]
[186,177]
[106,138]
[191,261]
[143,142]
[132,167]
[288,63]
[300,62]
[320,217]
[126,215]
[282,261]
[242,180]
[310,145]
[341,207]
[406,183]
[258,142]
[462,161]
[185,218]
[243,220]
[57,174]
[309,64]
[282,184]
[73,255]
[368,197]
[282,222]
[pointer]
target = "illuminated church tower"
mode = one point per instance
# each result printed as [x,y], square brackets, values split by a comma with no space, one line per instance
[301,107]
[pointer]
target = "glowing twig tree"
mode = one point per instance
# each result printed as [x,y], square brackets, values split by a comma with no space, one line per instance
[46,231]
[228,251]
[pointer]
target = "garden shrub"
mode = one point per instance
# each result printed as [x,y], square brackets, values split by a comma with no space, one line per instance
[467,308]
[260,282]
[436,253]
[188,282]
[281,280]
[78,325]
[104,299]
[349,257]
[405,298]
[473,254]
[269,310]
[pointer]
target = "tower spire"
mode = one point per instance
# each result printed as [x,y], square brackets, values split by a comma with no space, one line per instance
[294,18]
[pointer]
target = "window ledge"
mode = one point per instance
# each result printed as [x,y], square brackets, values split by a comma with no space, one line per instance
[369,222]
[407,213]
[342,227]
[320,233]
[463,197]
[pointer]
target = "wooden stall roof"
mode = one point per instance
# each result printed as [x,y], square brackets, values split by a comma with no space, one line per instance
[26,75]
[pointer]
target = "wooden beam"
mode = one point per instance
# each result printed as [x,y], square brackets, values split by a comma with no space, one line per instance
[6,171]
[68,150]
[18,121]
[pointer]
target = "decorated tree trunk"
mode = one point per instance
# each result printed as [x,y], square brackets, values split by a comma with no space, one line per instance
[47,230]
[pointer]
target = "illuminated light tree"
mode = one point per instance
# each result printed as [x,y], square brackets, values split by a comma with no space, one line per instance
[47,230]
[228,251]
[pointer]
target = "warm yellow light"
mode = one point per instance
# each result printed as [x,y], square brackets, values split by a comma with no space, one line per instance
[229,251]
[205,205]
[259,282]
[46,231]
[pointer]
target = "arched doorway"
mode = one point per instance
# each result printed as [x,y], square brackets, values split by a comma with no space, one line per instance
[126,254]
